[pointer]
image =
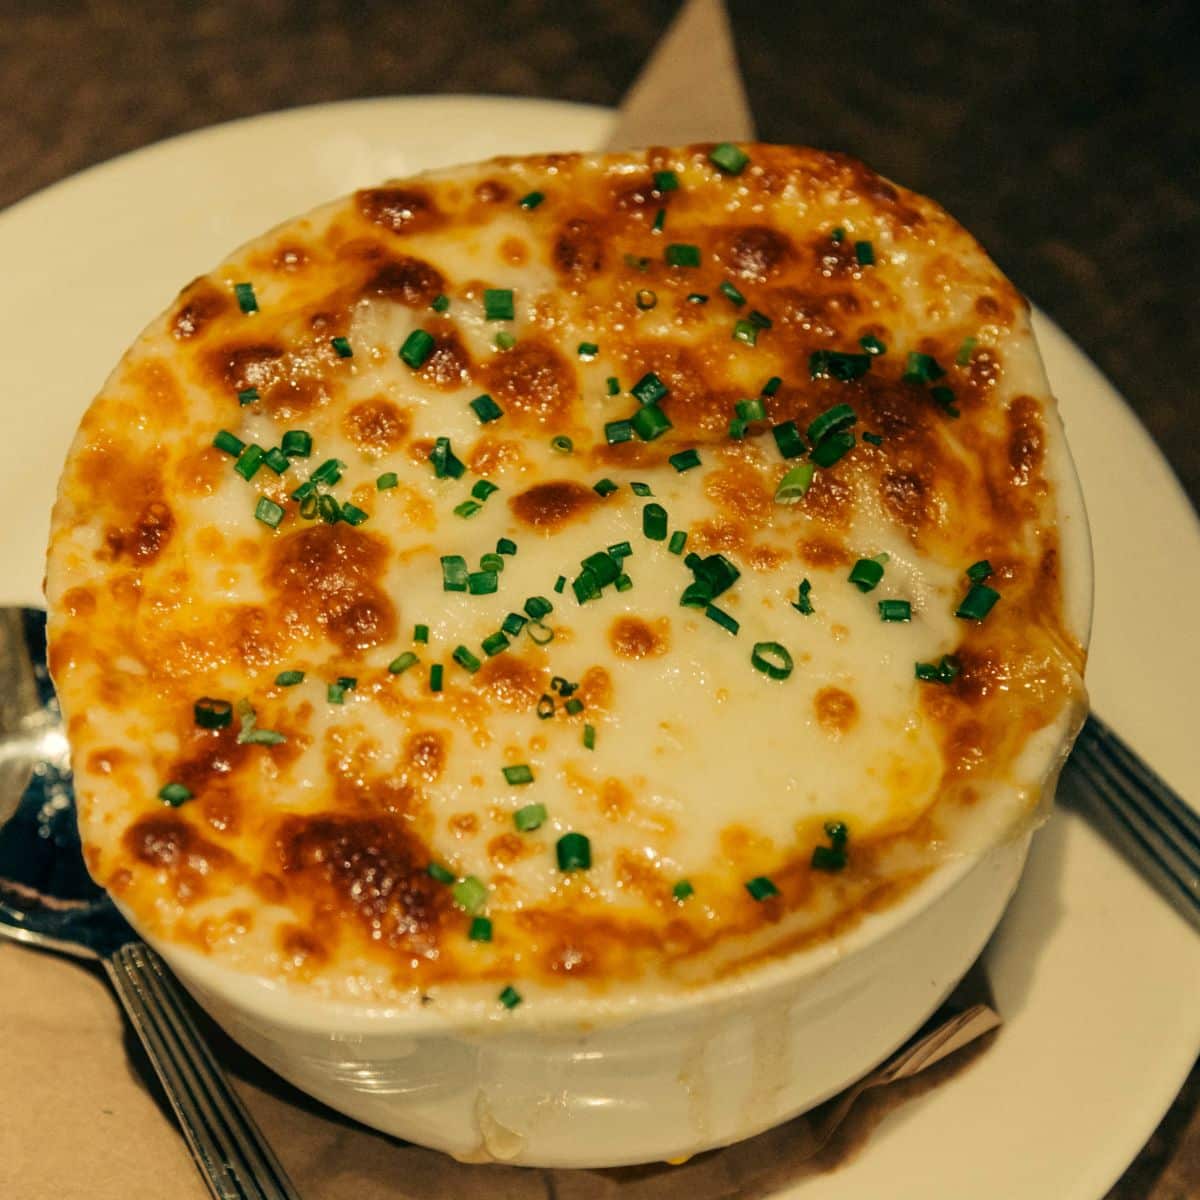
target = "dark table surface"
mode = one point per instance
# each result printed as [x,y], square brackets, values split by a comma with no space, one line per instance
[1064,134]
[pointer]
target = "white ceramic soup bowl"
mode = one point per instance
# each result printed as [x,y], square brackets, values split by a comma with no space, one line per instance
[585,1080]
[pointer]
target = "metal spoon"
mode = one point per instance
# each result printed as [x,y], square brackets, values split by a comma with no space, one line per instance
[48,900]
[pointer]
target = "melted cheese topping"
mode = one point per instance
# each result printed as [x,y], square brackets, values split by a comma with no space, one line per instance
[643,721]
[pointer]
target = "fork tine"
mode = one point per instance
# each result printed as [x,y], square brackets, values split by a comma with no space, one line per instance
[1134,832]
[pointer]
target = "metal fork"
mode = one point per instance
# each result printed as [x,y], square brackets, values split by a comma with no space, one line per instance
[1143,815]
[47,900]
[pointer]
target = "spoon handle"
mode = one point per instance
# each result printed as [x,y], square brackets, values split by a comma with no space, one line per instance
[230,1151]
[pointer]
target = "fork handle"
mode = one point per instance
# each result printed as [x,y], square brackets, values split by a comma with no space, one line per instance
[231,1153]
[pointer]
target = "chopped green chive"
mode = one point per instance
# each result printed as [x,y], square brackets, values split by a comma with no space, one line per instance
[440,873]
[832,420]
[227,443]
[401,664]
[825,858]
[505,340]
[873,438]
[921,368]
[421,632]
[480,929]
[788,439]
[729,159]
[268,512]
[772,659]
[335,693]
[943,397]
[246,299]
[495,643]
[483,488]
[832,448]
[795,484]
[618,431]
[613,385]
[864,252]
[341,347]
[604,487]
[247,396]
[466,659]
[510,997]
[835,364]
[536,607]
[720,617]
[683,890]
[574,706]
[666,181]
[249,461]
[731,293]
[482,583]
[751,410]
[685,460]
[486,409]
[803,604]
[654,522]
[946,671]
[574,852]
[649,389]
[963,357]
[296,443]
[545,707]
[682,254]
[513,624]
[417,347]
[352,514]
[771,386]
[650,422]
[506,546]
[532,816]
[677,542]
[646,299]
[174,794]
[213,714]
[641,489]
[440,303]
[435,677]
[289,678]
[866,574]
[519,775]
[531,200]
[660,219]
[330,510]
[329,472]
[386,481]
[745,332]
[470,894]
[623,583]
[761,888]
[589,737]
[587,350]
[979,571]
[561,444]
[454,573]
[837,235]
[491,562]
[445,464]
[977,603]
[872,345]
[895,610]
[498,304]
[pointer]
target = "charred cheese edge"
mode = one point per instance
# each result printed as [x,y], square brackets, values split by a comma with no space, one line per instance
[180,572]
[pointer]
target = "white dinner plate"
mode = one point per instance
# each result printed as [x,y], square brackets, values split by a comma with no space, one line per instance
[1096,978]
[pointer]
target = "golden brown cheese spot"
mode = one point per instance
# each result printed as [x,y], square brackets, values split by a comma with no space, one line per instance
[402,210]
[514,251]
[290,258]
[511,681]
[327,577]
[376,425]
[106,760]
[632,637]
[595,688]
[425,754]
[202,304]
[408,281]
[823,314]
[145,538]
[579,249]
[836,710]
[490,455]
[254,636]
[200,472]
[372,868]
[464,824]
[740,493]
[549,506]
[1026,440]
[220,808]
[616,800]
[693,404]
[507,848]
[532,381]
[492,191]
[449,366]
[238,367]
[210,756]
[301,948]
[754,253]
[79,602]
[821,552]
[167,842]
[908,497]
